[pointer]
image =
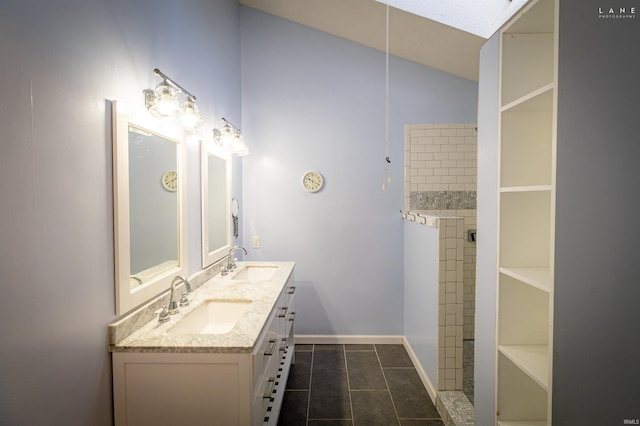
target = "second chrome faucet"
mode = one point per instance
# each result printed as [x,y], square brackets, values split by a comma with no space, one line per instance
[231,261]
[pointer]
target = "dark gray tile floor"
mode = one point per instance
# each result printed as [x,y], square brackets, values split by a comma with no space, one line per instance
[355,385]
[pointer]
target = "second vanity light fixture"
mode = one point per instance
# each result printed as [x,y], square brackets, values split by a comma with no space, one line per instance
[227,136]
[163,102]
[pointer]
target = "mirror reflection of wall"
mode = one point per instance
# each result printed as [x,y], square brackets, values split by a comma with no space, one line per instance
[217,194]
[153,204]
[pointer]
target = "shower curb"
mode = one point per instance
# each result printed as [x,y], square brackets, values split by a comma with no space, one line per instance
[455,409]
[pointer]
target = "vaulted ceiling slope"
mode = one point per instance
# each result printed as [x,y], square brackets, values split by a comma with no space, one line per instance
[411,36]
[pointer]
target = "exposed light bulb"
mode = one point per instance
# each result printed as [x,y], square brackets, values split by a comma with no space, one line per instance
[190,116]
[166,100]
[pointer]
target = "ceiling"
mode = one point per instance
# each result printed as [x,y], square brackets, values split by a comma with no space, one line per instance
[448,46]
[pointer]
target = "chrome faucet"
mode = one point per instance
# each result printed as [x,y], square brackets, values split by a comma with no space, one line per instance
[173,305]
[184,301]
[231,262]
[164,312]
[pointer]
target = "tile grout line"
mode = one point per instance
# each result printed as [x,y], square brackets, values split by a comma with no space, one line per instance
[375,348]
[313,351]
[346,369]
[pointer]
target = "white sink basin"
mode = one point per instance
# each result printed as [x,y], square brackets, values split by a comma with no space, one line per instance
[255,273]
[213,316]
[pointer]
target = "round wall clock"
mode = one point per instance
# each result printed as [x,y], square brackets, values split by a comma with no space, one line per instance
[312,181]
[170,180]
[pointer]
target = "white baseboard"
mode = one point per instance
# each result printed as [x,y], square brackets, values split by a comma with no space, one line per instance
[431,390]
[308,339]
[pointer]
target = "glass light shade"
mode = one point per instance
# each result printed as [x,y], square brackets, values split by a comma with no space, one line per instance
[190,115]
[224,136]
[238,147]
[166,100]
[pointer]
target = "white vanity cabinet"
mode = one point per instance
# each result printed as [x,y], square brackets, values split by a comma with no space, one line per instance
[201,387]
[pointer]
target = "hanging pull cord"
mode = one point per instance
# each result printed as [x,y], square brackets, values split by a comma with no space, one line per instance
[387,166]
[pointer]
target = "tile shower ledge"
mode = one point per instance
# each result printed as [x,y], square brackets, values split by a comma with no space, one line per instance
[426,218]
[156,337]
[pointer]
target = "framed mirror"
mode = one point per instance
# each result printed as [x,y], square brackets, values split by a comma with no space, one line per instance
[149,207]
[216,204]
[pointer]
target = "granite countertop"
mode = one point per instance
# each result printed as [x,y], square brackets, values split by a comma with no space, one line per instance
[156,337]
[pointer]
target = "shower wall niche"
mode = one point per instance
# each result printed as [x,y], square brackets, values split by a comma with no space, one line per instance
[441,179]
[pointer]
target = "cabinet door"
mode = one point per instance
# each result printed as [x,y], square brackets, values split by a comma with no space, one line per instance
[151,389]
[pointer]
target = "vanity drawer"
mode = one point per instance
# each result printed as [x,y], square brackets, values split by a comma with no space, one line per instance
[290,291]
[262,399]
[266,351]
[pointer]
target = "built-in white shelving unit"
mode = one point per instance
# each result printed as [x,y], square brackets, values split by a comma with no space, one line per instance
[528,92]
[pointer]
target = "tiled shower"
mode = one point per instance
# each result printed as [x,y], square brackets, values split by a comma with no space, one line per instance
[441,180]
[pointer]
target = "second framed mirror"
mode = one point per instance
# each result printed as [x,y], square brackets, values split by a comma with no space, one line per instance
[216,204]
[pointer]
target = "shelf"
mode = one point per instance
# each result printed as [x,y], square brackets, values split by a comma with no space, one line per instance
[533,360]
[531,188]
[527,66]
[538,277]
[522,423]
[535,100]
[526,140]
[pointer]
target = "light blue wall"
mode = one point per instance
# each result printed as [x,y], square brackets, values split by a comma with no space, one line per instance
[486,245]
[61,61]
[312,101]
[421,287]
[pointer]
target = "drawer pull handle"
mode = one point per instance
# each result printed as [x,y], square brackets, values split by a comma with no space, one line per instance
[269,351]
[271,384]
[292,289]
[292,317]
[284,311]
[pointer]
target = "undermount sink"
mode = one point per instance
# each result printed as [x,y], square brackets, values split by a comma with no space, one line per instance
[213,316]
[255,273]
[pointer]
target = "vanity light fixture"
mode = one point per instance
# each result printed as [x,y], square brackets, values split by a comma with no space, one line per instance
[163,102]
[228,137]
